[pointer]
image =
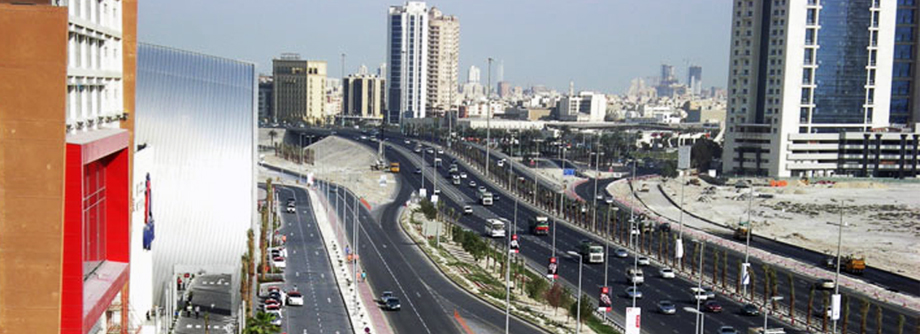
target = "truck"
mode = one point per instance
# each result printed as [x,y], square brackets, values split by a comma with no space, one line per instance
[741,233]
[495,227]
[455,180]
[394,167]
[539,225]
[437,162]
[591,252]
[486,198]
[850,263]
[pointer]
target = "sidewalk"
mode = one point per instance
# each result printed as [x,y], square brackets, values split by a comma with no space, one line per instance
[362,318]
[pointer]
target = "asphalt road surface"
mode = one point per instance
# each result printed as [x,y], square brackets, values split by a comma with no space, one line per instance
[308,269]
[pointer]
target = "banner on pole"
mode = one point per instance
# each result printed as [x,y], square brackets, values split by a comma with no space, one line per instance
[679,249]
[745,274]
[552,268]
[835,307]
[605,304]
[633,320]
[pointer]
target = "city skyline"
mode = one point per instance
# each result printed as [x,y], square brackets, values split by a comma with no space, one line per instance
[531,58]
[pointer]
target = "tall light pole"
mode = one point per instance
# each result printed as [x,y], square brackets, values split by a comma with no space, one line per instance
[343,88]
[774,298]
[581,263]
[354,266]
[607,245]
[488,116]
[699,285]
[837,274]
[699,315]
[747,241]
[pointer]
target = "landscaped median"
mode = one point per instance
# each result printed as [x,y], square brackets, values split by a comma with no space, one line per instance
[477,265]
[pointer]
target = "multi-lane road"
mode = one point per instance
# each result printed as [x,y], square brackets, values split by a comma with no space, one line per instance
[430,302]
[309,271]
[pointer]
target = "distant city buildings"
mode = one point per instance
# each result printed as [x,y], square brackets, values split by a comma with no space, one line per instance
[407,59]
[299,89]
[695,80]
[443,60]
[363,96]
[584,107]
[266,99]
[504,89]
[811,93]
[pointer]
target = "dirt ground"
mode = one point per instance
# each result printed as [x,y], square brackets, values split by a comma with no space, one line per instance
[882,220]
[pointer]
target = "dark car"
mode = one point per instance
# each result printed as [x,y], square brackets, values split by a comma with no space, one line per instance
[728,330]
[750,309]
[664,227]
[713,306]
[392,304]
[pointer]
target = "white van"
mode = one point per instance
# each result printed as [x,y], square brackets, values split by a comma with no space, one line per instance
[495,227]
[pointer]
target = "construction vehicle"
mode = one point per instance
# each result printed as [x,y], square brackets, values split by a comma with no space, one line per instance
[394,167]
[741,230]
[539,225]
[591,252]
[850,263]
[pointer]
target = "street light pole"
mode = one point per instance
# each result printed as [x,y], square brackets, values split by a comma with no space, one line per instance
[837,274]
[343,87]
[750,226]
[581,263]
[699,315]
[488,117]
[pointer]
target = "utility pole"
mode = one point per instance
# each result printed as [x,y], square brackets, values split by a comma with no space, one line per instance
[342,113]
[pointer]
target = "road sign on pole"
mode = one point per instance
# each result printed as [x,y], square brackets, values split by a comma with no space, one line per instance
[633,320]
[745,274]
[679,249]
[683,157]
[552,268]
[835,307]
[605,304]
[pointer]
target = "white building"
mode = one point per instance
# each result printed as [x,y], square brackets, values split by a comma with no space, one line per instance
[584,107]
[481,108]
[801,76]
[472,75]
[407,56]
[443,60]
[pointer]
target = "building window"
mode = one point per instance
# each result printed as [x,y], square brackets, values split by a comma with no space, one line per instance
[94,223]
[809,36]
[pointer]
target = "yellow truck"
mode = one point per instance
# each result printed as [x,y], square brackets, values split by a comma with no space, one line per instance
[394,167]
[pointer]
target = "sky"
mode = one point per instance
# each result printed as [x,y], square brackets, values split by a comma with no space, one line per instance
[599,44]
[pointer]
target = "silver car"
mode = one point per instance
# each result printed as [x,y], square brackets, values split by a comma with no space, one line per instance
[633,292]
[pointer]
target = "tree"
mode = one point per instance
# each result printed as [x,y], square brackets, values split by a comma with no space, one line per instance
[428,208]
[863,314]
[586,308]
[555,296]
[824,306]
[791,282]
[774,286]
[669,169]
[811,299]
[715,266]
[846,313]
[766,283]
[272,134]
[901,321]
[537,289]
[878,319]
[724,266]
[261,324]
[703,152]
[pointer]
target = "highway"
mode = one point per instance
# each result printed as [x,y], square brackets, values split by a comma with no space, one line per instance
[430,302]
[537,251]
[308,269]
[671,289]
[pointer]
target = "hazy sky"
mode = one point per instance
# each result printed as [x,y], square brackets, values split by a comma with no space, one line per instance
[600,44]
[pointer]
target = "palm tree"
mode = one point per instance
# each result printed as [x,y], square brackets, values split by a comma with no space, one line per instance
[846,313]
[272,135]
[738,281]
[901,321]
[811,299]
[878,319]
[715,267]
[824,311]
[863,314]
[261,324]
[724,265]
[766,283]
[774,283]
[791,297]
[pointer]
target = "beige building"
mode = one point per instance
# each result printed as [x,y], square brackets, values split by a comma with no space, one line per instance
[299,89]
[363,96]
[443,53]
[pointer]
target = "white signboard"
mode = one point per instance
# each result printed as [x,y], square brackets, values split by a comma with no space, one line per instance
[310,179]
[683,157]
[434,198]
[633,320]
[383,181]
[835,306]
[422,193]
[679,249]
[745,274]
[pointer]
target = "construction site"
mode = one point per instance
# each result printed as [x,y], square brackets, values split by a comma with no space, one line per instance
[881,220]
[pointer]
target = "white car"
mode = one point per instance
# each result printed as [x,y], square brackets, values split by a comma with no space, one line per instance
[463,175]
[440,151]
[276,317]
[291,208]
[407,142]
[295,298]
[437,191]
[472,184]
[467,210]
[699,294]
[644,261]
[278,262]
[667,273]
[482,189]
